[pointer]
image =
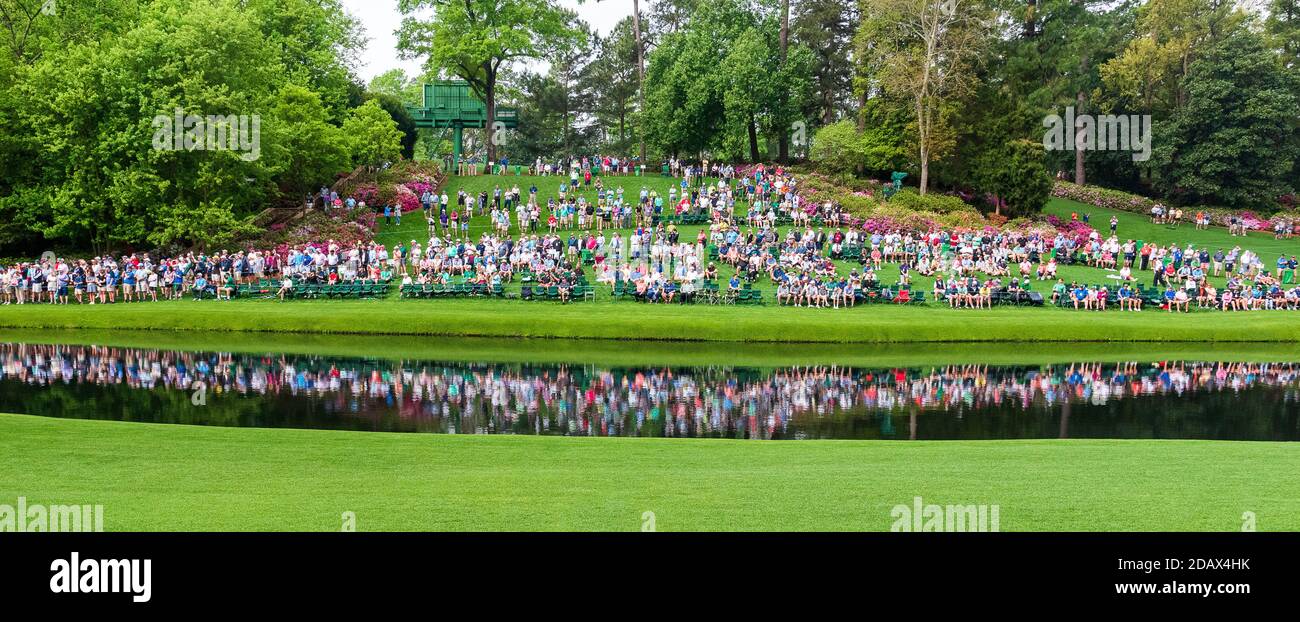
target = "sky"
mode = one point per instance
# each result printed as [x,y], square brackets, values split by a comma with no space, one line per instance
[381,19]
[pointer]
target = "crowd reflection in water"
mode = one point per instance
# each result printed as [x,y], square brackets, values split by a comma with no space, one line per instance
[586,400]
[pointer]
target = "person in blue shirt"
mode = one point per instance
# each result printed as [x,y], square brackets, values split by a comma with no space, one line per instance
[1125,298]
[200,285]
[1080,295]
[128,285]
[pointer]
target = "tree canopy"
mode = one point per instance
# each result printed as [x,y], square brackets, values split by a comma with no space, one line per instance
[156,123]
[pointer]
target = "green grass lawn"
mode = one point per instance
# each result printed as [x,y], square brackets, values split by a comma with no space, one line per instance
[610,319]
[1139,227]
[159,477]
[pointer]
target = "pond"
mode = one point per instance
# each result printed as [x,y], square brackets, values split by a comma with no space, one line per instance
[731,393]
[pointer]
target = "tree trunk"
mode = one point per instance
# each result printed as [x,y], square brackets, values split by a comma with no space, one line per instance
[753,140]
[490,95]
[1080,100]
[923,135]
[783,140]
[828,107]
[1079,174]
[862,112]
[1031,20]
[640,76]
[925,172]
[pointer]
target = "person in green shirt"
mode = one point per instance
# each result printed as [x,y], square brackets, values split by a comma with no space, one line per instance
[228,288]
[1058,291]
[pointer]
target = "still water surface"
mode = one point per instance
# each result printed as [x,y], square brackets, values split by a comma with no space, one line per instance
[1128,399]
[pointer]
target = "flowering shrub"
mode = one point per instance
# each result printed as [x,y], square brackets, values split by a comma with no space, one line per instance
[419,187]
[367,194]
[1103,197]
[1076,230]
[347,227]
[941,203]
[408,200]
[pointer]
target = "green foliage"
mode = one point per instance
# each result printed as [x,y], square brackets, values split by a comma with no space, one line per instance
[613,74]
[718,86]
[308,148]
[372,136]
[685,86]
[401,117]
[837,148]
[1234,142]
[910,199]
[87,119]
[475,39]
[1012,173]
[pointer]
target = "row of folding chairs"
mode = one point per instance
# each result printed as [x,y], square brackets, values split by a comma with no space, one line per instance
[309,292]
[576,292]
[451,290]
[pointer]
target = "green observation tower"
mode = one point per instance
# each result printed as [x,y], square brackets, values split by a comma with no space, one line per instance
[452,104]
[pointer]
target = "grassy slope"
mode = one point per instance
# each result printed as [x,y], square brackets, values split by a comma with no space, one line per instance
[1139,227]
[611,319]
[155,477]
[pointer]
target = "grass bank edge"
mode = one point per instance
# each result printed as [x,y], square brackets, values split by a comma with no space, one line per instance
[631,322]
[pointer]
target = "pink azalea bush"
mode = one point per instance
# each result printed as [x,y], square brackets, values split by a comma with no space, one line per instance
[347,227]
[407,199]
[1102,197]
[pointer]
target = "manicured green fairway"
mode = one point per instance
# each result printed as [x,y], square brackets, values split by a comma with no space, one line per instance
[155,477]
